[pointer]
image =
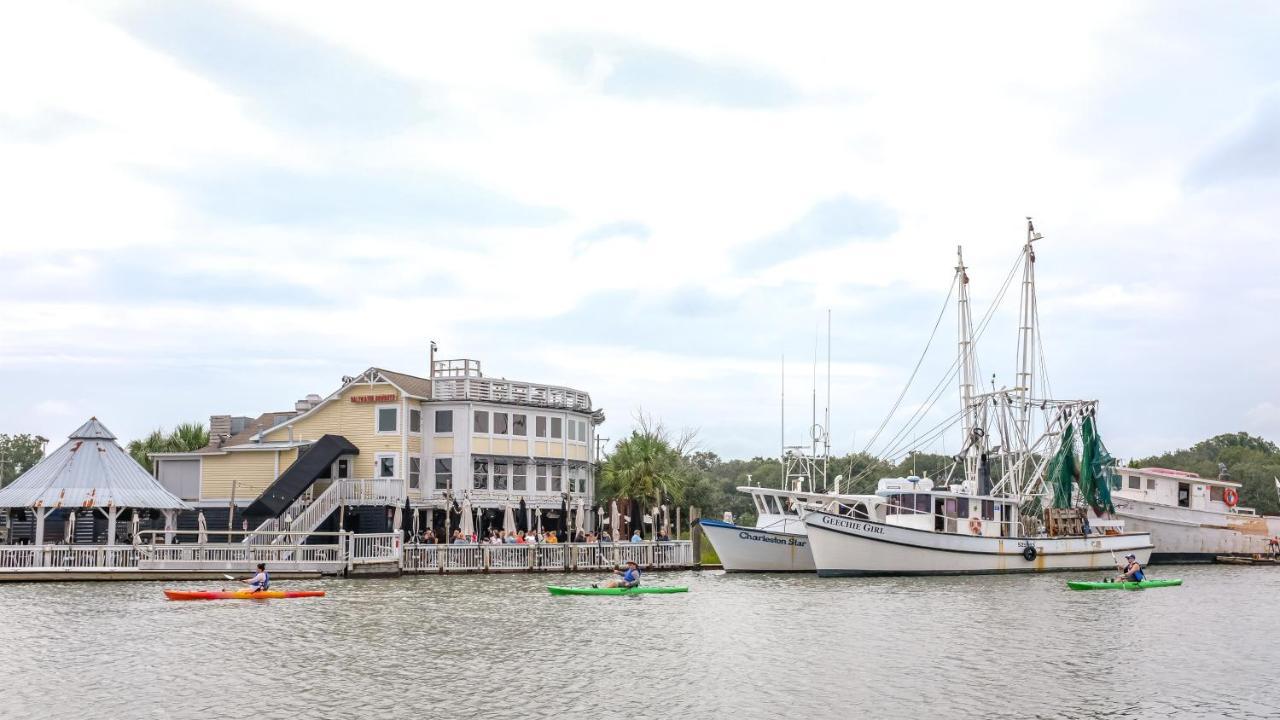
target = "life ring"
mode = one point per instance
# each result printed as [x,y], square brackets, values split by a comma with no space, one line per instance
[1029,552]
[1230,497]
[975,526]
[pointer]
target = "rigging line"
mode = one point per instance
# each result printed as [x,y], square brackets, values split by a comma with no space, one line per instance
[936,393]
[897,403]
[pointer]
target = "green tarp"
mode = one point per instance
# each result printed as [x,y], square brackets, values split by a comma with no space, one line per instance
[1062,469]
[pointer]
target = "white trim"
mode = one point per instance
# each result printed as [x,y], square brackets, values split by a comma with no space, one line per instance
[377,416]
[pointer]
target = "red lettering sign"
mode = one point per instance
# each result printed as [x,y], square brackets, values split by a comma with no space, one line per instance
[367,399]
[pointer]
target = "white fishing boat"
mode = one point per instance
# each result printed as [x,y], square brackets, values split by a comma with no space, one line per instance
[980,524]
[1191,518]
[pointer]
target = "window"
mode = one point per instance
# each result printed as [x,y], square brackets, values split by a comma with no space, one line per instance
[385,466]
[415,472]
[1216,493]
[388,419]
[499,475]
[519,425]
[542,478]
[499,423]
[415,420]
[571,430]
[988,510]
[343,467]
[482,422]
[1151,483]
[540,426]
[444,473]
[444,421]
[582,430]
[480,475]
[556,472]
[518,476]
[1135,482]
[555,428]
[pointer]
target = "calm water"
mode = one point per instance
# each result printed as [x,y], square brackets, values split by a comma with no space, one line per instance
[749,646]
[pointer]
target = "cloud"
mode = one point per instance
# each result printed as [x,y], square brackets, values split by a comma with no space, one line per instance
[640,71]
[830,223]
[1250,152]
[352,198]
[292,77]
[623,229]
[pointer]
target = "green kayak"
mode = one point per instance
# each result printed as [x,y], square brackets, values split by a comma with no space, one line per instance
[1080,585]
[642,590]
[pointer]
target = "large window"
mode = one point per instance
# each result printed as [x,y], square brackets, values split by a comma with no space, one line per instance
[540,426]
[415,472]
[555,428]
[541,485]
[385,466]
[556,475]
[444,421]
[1135,482]
[444,473]
[518,482]
[482,421]
[480,475]
[415,420]
[1151,483]
[499,423]
[519,425]
[388,419]
[499,475]
[1216,493]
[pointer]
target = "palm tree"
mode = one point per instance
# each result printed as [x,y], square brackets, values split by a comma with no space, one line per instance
[648,465]
[185,437]
[140,450]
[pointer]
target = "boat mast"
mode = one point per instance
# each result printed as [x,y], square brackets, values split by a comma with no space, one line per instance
[967,370]
[782,426]
[1025,379]
[826,422]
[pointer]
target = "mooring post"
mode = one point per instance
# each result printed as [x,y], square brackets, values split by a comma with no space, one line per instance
[695,535]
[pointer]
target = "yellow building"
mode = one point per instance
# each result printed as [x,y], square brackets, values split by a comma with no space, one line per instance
[437,442]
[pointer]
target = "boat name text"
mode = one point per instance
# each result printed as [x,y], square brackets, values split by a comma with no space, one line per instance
[852,524]
[744,535]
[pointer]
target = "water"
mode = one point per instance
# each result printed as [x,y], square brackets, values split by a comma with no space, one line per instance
[747,646]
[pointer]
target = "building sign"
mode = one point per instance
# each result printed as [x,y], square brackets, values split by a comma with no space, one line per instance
[368,399]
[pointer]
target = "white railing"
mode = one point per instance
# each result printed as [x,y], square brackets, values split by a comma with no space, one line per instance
[276,524]
[68,556]
[508,391]
[545,557]
[372,491]
[375,548]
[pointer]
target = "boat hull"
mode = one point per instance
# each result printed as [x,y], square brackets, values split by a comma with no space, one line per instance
[746,549]
[845,547]
[240,594]
[1142,585]
[1186,535]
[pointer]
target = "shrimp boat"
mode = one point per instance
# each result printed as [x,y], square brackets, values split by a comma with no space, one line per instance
[778,542]
[992,517]
[1192,518]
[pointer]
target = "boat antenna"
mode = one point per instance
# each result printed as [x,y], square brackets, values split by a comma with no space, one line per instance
[826,422]
[782,426]
[1024,382]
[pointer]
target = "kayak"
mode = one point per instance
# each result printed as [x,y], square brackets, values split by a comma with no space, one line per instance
[1081,585]
[240,594]
[642,590]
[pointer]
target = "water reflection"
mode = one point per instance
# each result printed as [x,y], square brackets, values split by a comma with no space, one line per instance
[750,646]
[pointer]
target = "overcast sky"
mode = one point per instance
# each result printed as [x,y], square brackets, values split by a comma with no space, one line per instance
[219,208]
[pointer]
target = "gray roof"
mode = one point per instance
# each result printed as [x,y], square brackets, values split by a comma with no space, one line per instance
[89,470]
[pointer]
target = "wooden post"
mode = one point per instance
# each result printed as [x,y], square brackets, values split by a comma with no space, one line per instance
[677,522]
[695,535]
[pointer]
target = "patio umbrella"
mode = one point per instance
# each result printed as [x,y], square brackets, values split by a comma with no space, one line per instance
[599,518]
[467,525]
[581,521]
[133,526]
[416,523]
[69,528]
[614,520]
[508,520]
[523,516]
[397,521]
[539,520]
[203,536]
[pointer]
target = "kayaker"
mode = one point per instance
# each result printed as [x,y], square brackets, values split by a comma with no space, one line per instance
[1132,570]
[261,581]
[628,578]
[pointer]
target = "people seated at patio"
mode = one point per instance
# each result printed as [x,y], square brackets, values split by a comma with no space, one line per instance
[429,537]
[635,536]
[458,538]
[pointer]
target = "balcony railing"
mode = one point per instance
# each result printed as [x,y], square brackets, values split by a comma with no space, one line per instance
[509,391]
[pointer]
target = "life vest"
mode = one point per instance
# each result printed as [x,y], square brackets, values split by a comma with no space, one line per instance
[266,581]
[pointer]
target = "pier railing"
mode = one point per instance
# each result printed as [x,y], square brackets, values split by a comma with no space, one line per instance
[560,557]
[68,556]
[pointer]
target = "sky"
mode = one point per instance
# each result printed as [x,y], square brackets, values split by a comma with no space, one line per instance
[213,207]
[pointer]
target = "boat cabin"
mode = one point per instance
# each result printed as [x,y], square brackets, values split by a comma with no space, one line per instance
[782,510]
[913,502]
[1177,488]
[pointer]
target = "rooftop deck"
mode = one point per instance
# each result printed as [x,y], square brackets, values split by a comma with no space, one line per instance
[462,380]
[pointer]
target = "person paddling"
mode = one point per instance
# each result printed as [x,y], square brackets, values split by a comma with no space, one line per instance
[1132,570]
[628,578]
[261,581]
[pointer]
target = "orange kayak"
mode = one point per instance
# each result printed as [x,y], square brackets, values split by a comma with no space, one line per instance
[240,594]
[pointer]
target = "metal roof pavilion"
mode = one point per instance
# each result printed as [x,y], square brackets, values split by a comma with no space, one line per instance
[89,471]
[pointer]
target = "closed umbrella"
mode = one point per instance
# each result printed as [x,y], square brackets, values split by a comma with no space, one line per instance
[581,520]
[416,522]
[397,521]
[69,528]
[614,519]
[203,536]
[539,521]
[467,524]
[508,520]
[599,518]
[523,516]
[133,526]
